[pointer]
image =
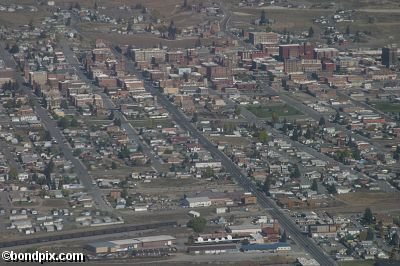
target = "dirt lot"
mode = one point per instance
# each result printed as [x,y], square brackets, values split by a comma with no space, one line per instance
[379,202]
[234,141]
[145,40]
[176,188]
[291,19]
[379,33]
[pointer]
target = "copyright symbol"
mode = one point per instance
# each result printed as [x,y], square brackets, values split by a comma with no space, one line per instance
[6,256]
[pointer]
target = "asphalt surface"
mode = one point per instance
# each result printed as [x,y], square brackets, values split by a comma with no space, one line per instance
[289,226]
[287,223]
[56,133]
[109,104]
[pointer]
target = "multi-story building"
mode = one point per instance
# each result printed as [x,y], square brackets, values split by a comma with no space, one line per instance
[325,53]
[38,77]
[174,57]
[263,37]
[292,65]
[148,55]
[311,65]
[287,51]
[389,55]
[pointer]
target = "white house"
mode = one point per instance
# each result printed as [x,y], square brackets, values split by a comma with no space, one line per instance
[197,202]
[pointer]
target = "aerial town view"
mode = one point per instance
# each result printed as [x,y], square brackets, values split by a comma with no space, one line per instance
[200,132]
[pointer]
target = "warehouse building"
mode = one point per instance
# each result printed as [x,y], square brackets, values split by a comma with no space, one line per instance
[131,244]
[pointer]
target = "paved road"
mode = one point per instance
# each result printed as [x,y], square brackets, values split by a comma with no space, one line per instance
[224,25]
[56,133]
[109,104]
[383,185]
[364,105]
[286,222]
[236,173]
[317,115]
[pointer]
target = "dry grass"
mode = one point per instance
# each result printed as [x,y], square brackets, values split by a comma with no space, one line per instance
[234,141]
[20,18]
[145,40]
[379,202]
[291,19]
[55,203]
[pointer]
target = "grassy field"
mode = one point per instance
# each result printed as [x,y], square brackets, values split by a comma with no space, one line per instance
[264,111]
[385,16]
[388,107]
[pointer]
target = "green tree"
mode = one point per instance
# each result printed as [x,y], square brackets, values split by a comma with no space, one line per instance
[263,136]
[283,237]
[370,234]
[314,185]
[295,135]
[368,217]
[310,32]
[77,152]
[371,20]
[172,30]
[49,168]
[198,224]
[129,201]
[47,136]
[296,172]
[74,122]
[195,118]
[321,121]
[117,122]
[63,123]
[14,49]
[266,186]
[263,18]
[245,241]
[13,173]
[331,188]
[77,6]
[124,193]
[139,148]
[356,154]
[129,27]
[396,154]
[309,134]
[237,110]
[124,153]
[348,30]
[68,22]
[65,192]
[208,173]
[274,118]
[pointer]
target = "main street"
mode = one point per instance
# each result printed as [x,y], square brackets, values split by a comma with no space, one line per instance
[287,223]
[109,104]
[56,133]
